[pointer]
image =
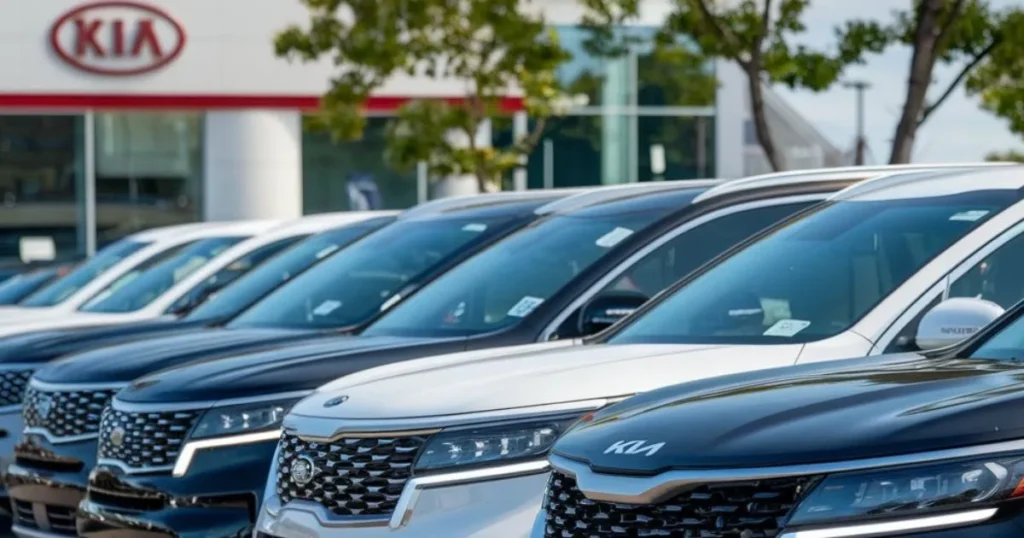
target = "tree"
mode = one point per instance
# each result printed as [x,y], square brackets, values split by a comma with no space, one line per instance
[999,80]
[1006,156]
[756,35]
[494,46]
[961,33]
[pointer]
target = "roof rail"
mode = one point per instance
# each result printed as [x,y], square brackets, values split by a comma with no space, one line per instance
[620,190]
[844,173]
[465,201]
[887,181]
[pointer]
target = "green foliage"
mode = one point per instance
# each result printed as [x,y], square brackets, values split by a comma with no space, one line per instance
[492,45]
[954,33]
[1006,156]
[999,80]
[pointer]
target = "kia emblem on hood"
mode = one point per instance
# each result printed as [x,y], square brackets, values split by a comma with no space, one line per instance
[634,447]
[336,401]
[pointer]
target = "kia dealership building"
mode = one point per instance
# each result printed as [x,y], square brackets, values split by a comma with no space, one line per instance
[121,115]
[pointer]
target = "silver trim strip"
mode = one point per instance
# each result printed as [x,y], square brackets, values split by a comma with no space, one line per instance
[45,434]
[630,489]
[328,427]
[410,494]
[891,527]
[130,407]
[133,470]
[188,451]
[25,532]
[74,387]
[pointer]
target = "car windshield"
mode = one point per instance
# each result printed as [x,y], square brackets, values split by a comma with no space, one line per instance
[351,288]
[252,286]
[501,286]
[67,286]
[816,277]
[17,287]
[138,292]
[1007,344]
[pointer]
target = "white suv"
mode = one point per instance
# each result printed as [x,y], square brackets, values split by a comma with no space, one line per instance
[854,277]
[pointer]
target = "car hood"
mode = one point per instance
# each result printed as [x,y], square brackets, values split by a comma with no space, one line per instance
[281,369]
[850,409]
[65,320]
[536,378]
[125,362]
[46,345]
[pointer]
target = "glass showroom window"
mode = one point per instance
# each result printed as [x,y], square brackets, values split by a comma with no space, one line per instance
[148,171]
[41,176]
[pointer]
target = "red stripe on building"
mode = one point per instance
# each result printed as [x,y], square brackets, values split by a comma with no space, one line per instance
[201,102]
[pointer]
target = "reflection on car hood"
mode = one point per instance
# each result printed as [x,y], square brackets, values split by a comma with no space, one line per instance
[524,379]
[280,369]
[55,321]
[125,362]
[46,345]
[850,409]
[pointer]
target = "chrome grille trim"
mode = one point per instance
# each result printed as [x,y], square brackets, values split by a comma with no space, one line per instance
[68,414]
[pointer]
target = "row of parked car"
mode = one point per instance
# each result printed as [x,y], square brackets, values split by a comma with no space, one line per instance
[495,366]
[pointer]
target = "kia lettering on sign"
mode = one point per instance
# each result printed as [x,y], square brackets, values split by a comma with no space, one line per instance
[117,38]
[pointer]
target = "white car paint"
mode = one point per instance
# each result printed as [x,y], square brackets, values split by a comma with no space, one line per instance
[160,240]
[264,233]
[469,388]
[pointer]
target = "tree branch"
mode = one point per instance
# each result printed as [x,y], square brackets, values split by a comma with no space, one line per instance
[722,32]
[957,6]
[766,18]
[928,110]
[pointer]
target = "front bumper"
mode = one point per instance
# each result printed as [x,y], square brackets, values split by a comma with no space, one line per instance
[218,496]
[492,503]
[11,426]
[46,482]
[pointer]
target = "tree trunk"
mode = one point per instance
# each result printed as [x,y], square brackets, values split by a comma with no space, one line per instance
[922,64]
[764,137]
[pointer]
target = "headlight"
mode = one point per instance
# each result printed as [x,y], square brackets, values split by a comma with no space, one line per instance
[911,491]
[515,441]
[238,419]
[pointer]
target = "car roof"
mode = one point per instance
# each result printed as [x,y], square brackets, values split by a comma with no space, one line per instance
[839,175]
[155,234]
[675,199]
[934,183]
[322,221]
[239,227]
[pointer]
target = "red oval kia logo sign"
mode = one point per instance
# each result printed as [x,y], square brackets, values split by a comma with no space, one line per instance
[117,38]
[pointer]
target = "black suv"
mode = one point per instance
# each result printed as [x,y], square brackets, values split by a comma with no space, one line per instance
[909,445]
[568,275]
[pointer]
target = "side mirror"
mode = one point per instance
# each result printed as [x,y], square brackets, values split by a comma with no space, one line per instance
[606,309]
[953,320]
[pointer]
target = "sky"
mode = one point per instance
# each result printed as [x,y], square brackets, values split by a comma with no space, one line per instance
[958,131]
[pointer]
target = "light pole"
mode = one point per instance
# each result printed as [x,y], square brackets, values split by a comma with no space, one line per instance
[859,86]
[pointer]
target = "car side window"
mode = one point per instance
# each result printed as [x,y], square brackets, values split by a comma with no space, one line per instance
[998,278]
[688,251]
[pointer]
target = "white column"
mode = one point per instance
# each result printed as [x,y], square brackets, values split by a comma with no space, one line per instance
[252,165]
[731,111]
[466,183]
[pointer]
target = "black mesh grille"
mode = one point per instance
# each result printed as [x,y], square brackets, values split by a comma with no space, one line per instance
[65,413]
[350,477]
[144,440]
[753,509]
[12,386]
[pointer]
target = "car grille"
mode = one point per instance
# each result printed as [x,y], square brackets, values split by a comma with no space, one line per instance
[354,477]
[52,519]
[752,509]
[63,413]
[12,386]
[144,440]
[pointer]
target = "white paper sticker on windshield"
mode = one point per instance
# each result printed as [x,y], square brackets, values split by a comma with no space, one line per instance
[740,312]
[969,216]
[326,307]
[525,306]
[326,252]
[787,327]
[474,227]
[613,237]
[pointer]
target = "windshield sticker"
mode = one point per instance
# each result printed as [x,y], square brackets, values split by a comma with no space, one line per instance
[969,216]
[742,312]
[326,307]
[787,327]
[474,227]
[525,306]
[775,310]
[613,237]
[326,252]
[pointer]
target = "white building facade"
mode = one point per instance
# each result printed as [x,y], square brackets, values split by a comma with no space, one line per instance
[121,115]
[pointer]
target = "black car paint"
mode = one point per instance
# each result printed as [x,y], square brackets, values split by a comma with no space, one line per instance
[307,366]
[848,410]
